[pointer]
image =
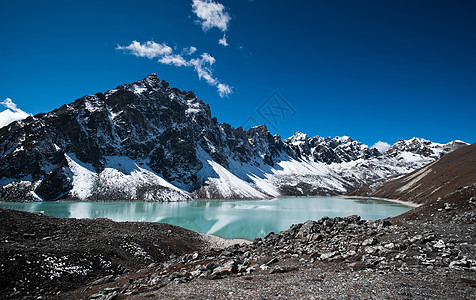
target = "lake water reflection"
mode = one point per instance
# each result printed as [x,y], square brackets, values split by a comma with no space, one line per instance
[228,219]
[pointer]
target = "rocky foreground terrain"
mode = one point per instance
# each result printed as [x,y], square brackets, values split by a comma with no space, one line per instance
[429,252]
[41,255]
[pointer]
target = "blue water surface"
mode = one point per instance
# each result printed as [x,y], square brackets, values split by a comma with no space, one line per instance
[226,218]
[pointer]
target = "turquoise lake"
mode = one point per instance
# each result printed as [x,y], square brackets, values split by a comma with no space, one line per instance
[226,218]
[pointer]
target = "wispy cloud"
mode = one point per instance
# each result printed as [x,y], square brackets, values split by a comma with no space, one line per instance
[381,146]
[12,113]
[174,59]
[223,41]
[149,49]
[202,64]
[190,50]
[212,14]
[223,89]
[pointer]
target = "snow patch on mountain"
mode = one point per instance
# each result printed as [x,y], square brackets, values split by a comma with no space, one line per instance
[122,178]
[138,89]
[83,177]
[221,183]
[414,178]
[135,174]
[228,185]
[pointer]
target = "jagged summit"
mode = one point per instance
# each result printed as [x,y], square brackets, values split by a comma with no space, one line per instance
[424,147]
[148,141]
[297,138]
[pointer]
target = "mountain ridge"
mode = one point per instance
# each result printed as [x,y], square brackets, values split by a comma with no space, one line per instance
[148,141]
[453,171]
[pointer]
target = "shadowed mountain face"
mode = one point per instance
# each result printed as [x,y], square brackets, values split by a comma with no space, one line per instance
[148,141]
[453,171]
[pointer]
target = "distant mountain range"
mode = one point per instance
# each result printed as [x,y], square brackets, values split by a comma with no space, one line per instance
[438,179]
[147,141]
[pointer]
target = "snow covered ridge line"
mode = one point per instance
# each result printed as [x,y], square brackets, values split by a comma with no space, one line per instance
[147,141]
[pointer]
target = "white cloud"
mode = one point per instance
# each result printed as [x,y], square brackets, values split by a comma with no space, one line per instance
[211,14]
[11,114]
[207,58]
[8,103]
[202,64]
[223,89]
[190,50]
[381,146]
[223,41]
[150,49]
[174,59]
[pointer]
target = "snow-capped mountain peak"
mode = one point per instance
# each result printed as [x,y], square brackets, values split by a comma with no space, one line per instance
[297,138]
[148,141]
[423,147]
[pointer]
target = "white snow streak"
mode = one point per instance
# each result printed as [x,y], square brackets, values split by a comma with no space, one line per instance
[83,177]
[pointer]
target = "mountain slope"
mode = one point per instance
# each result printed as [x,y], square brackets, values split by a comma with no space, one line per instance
[455,170]
[148,141]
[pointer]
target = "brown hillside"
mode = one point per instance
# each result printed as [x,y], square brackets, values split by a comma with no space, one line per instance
[454,170]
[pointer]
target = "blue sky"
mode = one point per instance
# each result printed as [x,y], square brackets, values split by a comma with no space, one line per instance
[373,70]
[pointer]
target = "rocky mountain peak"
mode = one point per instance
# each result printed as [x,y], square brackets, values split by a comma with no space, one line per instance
[297,138]
[423,147]
[259,129]
[148,141]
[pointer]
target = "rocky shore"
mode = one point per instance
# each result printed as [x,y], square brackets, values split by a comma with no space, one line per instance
[398,258]
[41,256]
[429,252]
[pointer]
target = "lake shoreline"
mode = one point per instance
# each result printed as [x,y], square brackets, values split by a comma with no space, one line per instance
[407,203]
